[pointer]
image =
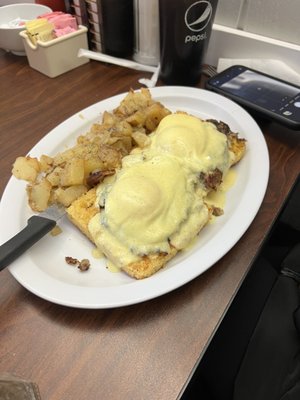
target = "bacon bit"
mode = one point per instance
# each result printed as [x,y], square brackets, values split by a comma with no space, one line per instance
[212,179]
[97,177]
[84,265]
[217,211]
[220,125]
[71,261]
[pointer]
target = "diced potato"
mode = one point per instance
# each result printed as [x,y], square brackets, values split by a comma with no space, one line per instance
[39,195]
[56,231]
[122,129]
[68,195]
[154,114]
[73,173]
[140,138]
[26,168]
[108,118]
[46,163]
[54,176]
[111,157]
[136,119]
[61,158]
[123,144]
[133,102]
[68,174]
[95,130]
[93,164]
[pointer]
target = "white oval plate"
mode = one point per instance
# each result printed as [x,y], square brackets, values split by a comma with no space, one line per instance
[43,270]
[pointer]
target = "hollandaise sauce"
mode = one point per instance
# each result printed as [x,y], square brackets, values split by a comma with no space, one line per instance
[150,206]
[154,201]
[198,143]
[217,198]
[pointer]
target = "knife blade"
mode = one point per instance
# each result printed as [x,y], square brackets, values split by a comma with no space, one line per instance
[37,227]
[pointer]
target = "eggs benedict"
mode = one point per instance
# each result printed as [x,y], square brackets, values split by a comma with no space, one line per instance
[155,204]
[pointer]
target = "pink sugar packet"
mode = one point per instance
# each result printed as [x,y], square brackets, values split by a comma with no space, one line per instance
[61,20]
[64,31]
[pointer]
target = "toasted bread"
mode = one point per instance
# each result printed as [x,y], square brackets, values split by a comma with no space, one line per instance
[82,210]
[237,146]
[148,265]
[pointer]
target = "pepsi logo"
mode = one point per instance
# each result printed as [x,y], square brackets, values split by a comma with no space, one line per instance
[198,15]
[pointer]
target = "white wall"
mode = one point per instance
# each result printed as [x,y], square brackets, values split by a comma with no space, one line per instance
[278,19]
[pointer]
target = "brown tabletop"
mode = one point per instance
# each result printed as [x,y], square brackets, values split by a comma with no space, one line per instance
[143,351]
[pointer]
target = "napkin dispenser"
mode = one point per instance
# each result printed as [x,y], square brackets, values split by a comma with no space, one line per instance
[57,56]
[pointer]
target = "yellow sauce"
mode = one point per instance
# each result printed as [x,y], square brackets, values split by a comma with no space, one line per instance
[111,267]
[156,198]
[146,205]
[149,205]
[229,180]
[198,143]
[217,198]
[97,253]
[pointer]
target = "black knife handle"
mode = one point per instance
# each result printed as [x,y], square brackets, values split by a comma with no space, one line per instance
[36,228]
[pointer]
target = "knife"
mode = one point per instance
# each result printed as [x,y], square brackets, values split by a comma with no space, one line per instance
[37,227]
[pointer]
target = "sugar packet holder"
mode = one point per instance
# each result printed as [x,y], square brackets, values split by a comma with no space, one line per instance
[56,56]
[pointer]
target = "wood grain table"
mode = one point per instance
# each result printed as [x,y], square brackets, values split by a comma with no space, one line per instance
[144,351]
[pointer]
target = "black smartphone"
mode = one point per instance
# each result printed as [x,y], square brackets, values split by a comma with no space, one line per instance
[268,96]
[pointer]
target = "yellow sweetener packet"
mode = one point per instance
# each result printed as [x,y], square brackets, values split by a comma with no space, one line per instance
[39,29]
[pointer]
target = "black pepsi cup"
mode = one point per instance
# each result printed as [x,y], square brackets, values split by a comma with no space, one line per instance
[185,28]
